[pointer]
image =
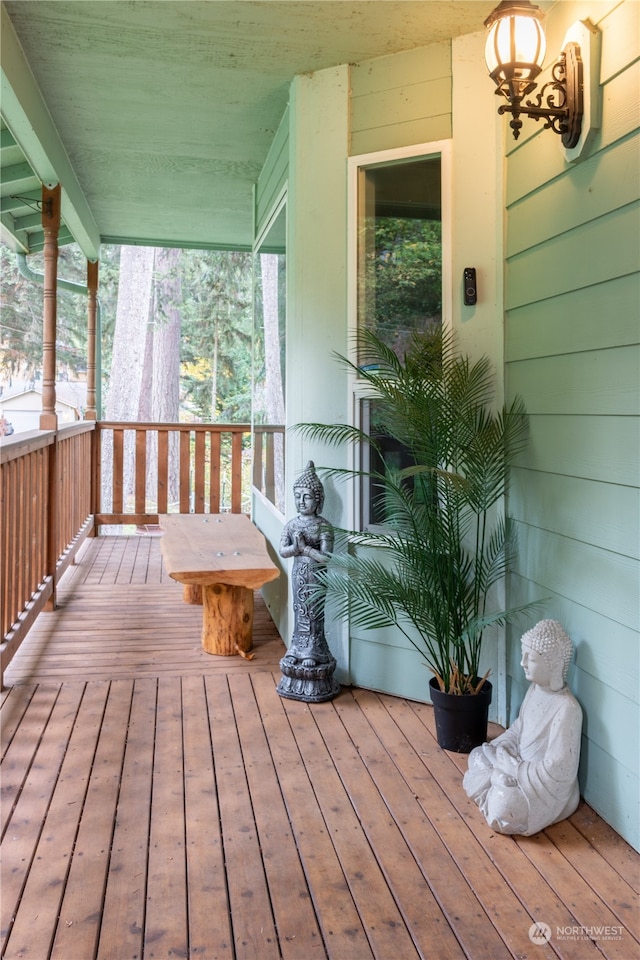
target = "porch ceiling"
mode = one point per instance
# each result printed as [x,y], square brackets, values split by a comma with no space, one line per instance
[156,116]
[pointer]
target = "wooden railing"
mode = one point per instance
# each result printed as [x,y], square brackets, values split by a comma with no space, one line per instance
[142,470]
[45,513]
[57,486]
[268,462]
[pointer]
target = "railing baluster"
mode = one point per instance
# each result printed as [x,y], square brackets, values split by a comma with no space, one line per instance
[118,472]
[257,458]
[19,514]
[96,472]
[163,471]
[41,515]
[185,470]
[236,471]
[141,472]
[198,473]
[270,470]
[214,472]
[6,511]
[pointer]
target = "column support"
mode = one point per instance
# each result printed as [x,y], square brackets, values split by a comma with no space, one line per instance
[51,225]
[92,291]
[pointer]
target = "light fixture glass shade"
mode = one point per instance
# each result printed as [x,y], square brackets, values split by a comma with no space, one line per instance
[514,52]
[516,43]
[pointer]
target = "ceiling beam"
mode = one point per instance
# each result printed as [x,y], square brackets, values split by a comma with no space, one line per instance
[30,123]
[18,242]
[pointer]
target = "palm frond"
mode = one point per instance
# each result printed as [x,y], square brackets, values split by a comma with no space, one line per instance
[430,571]
[333,434]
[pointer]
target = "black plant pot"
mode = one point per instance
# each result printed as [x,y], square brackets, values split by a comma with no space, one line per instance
[461,721]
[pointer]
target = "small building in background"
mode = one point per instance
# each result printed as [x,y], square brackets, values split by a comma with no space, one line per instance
[21,404]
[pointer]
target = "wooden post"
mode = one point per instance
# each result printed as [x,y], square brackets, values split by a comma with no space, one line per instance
[227,622]
[90,412]
[51,225]
[192,593]
[53,513]
[48,416]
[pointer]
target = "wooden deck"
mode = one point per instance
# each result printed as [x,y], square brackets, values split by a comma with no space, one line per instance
[159,802]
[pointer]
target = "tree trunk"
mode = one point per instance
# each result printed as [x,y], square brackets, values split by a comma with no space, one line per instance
[165,405]
[129,340]
[166,337]
[214,370]
[145,405]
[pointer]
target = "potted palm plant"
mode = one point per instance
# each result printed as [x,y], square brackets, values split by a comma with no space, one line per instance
[445,543]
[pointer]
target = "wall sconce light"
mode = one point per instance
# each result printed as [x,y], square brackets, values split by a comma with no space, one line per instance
[514,53]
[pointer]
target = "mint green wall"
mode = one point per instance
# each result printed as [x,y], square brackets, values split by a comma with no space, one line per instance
[568,300]
[401,100]
[571,341]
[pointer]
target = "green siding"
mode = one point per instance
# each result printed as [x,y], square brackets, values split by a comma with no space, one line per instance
[398,72]
[605,182]
[401,100]
[603,514]
[607,312]
[571,346]
[594,382]
[590,254]
[395,669]
[602,660]
[600,580]
[600,448]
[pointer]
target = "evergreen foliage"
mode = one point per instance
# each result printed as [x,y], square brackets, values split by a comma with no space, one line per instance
[216,325]
[404,279]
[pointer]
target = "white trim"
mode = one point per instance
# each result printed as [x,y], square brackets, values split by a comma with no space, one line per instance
[276,209]
[358,389]
[279,204]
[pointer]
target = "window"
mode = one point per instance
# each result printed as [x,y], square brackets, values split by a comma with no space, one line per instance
[396,240]
[394,454]
[399,239]
[269,355]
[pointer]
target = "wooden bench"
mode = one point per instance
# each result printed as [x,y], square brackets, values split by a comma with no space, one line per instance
[226,556]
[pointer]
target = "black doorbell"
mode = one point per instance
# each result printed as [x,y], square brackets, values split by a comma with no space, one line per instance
[470,288]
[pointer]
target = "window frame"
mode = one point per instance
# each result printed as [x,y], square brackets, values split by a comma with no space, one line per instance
[359,389]
[278,209]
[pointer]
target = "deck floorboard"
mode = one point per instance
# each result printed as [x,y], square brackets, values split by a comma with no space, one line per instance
[161,802]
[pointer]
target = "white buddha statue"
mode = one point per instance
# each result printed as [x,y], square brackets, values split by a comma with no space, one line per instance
[526,779]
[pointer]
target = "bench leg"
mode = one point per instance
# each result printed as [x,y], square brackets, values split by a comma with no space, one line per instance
[227,619]
[192,593]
